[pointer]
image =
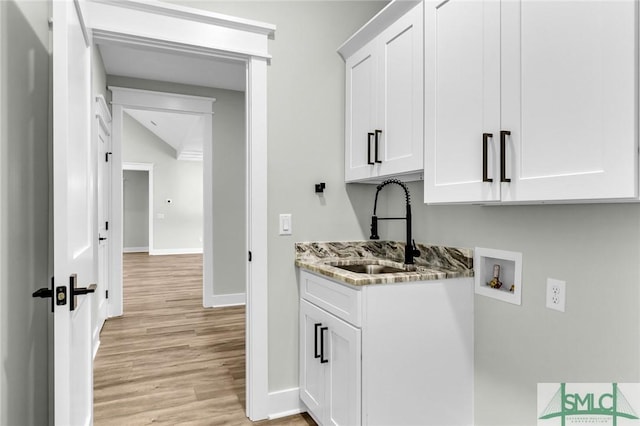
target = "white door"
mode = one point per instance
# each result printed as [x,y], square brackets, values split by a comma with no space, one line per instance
[73,210]
[399,109]
[569,89]
[360,149]
[103,137]
[312,372]
[462,101]
[342,355]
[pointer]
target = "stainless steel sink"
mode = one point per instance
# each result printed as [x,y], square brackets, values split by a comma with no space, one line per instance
[370,269]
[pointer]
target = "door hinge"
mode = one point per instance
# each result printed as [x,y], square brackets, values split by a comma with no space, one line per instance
[106,156]
[250,256]
[106,294]
[106,225]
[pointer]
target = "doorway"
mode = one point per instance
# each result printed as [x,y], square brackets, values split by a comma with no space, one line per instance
[175,206]
[210,37]
[137,184]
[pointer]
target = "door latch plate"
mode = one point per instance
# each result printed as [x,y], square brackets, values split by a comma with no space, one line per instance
[61,295]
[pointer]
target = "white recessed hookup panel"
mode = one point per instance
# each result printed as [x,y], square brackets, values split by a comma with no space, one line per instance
[498,274]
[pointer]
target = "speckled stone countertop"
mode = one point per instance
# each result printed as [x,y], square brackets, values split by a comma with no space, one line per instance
[434,263]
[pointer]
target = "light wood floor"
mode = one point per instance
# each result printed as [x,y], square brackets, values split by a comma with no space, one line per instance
[167,359]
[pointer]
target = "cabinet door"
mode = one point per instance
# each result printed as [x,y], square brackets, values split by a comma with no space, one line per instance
[312,376]
[462,100]
[343,346]
[569,94]
[400,88]
[360,111]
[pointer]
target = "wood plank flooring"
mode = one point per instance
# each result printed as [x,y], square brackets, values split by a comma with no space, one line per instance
[167,359]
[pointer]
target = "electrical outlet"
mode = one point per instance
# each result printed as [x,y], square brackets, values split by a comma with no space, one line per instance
[556,294]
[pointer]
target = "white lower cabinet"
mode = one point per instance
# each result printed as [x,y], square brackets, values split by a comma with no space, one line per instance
[387,354]
[330,353]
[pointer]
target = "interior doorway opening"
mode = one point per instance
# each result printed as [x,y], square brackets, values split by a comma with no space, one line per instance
[211,38]
[137,185]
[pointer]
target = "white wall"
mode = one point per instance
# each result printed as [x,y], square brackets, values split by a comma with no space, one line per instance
[135,206]
[24,212]
[179,181]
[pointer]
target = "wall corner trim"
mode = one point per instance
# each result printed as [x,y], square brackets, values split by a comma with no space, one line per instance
[285,403]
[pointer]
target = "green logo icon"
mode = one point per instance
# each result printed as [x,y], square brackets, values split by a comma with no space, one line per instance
[588,405]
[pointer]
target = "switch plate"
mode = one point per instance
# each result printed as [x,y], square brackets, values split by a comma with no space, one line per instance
[556,294]
[285,224]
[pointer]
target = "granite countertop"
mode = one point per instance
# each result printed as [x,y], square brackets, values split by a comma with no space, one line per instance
[434,263]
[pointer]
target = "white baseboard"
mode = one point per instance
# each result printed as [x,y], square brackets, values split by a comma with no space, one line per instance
[235,299]
[285,403]
[165,252]
[135,249]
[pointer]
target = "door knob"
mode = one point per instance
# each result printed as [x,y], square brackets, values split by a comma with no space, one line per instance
[60,297]
[78,291]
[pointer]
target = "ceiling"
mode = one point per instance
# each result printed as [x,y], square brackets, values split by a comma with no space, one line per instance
[183,132]
[148,64]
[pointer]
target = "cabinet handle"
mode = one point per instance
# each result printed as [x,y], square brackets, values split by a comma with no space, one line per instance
[322,358]
[369,161]
[503,155]
[315,341]
[485,160]
[378,132]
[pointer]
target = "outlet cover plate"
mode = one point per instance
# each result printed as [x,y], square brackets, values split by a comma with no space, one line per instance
[556,294]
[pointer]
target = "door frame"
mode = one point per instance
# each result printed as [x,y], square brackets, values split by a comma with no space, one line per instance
[137,99]
[187,31]
[138,167]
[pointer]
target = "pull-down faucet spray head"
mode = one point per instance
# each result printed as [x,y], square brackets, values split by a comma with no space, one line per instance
[374,228]
[410,249]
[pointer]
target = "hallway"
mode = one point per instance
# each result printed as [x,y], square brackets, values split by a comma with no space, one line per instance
[169,360]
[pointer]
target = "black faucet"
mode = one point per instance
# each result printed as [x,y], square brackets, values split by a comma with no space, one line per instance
[410,250]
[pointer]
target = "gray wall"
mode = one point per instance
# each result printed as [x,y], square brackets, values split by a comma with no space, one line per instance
[180,181]
[135,209]
[594,248]
[229,169]
[24,212]
[306,134]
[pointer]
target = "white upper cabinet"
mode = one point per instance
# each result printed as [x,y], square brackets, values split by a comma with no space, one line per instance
[384,95]
[530,101]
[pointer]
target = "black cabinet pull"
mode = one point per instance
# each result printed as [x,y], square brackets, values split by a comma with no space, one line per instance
[369,161]
[485,160]
[315,341]
[503,155]
[322,358]
[378,133]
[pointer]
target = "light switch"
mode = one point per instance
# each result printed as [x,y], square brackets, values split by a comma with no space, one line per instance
[285,224]
[160,215]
